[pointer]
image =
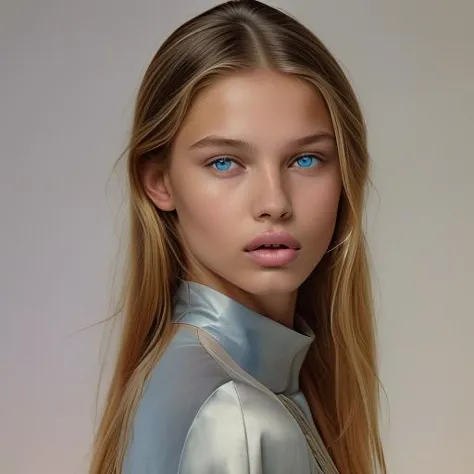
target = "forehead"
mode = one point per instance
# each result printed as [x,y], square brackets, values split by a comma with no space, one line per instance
[259,106]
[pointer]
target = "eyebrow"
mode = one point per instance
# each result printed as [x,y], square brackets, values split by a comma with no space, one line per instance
[213,141]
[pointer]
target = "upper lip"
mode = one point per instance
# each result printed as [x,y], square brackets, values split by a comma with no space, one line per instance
[273,238]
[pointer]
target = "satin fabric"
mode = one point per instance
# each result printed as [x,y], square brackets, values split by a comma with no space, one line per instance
[206,408]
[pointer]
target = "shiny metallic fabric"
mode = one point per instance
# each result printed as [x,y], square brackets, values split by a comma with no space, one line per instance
[224,398]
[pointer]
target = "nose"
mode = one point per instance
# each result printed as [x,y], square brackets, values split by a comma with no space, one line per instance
[272,199]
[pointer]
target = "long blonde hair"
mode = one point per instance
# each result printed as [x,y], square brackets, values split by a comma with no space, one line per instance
[339,377]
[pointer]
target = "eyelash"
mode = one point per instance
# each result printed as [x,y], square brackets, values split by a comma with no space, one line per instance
[226,157]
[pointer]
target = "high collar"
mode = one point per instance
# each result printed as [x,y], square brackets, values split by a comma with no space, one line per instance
[267,350]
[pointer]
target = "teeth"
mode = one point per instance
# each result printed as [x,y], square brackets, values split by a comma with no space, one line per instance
[274,246]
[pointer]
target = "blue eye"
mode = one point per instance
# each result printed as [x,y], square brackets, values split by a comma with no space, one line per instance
[222,164]
[306,161]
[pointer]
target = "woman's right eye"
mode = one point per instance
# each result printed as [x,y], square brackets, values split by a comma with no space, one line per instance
[222,164]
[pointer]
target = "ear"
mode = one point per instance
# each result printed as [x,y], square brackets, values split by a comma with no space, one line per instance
[157,186]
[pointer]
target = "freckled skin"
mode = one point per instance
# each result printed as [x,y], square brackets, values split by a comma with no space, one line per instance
[223,205]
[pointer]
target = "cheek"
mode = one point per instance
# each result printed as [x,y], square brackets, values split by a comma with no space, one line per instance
[202,217]
[318,210]
[205,208]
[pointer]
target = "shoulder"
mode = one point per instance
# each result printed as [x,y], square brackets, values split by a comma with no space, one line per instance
[181,382]
[197,415]
[241,429]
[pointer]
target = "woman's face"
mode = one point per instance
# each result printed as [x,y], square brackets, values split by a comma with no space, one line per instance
[256,154]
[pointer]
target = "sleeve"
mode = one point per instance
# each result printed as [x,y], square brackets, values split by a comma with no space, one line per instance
[237,431]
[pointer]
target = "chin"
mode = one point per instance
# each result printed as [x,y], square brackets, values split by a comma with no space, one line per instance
[267,282]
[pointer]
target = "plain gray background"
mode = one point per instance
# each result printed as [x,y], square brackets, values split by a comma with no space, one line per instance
[69,74]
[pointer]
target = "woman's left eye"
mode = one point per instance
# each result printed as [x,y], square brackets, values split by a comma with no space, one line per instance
[307,161]
[222,164]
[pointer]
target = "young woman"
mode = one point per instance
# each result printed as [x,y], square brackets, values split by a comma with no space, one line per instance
[248,344]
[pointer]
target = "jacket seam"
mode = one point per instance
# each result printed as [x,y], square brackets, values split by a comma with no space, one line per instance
[244,424]
[219,364]
[225,372]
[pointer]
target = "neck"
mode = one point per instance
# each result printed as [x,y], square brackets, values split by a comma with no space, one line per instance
[279,307]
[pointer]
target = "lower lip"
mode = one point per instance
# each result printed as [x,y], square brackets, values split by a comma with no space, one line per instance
[273,258]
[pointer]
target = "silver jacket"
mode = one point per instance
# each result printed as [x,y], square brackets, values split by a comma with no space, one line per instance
[208,408]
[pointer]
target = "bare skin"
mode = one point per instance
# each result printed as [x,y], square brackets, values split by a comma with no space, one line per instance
[266,181]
